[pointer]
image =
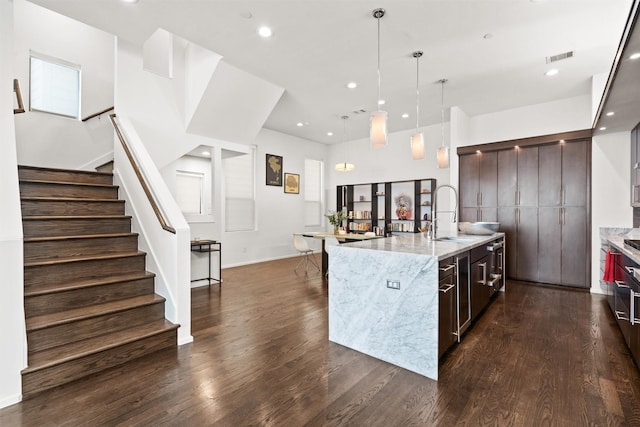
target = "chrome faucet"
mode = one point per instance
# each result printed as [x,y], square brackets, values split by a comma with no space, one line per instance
[432,231]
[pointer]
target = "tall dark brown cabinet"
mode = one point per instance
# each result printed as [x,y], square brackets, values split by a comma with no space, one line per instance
[478,191]
[542,189]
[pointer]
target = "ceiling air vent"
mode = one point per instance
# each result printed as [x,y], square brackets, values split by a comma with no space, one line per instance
[360,111]
[559,57]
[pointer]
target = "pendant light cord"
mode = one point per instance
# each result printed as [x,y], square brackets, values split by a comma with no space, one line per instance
[443,81]
[378,100]
[417,92]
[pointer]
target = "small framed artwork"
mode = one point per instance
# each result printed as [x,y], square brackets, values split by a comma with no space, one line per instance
[292,183]
[274,170]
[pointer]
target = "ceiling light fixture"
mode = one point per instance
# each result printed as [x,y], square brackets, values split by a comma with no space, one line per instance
[344,166]
[352,85]
[417,139]
[635,55]
[299,124]
[378,131]
[551,72]
[405,115]
[265,32]
[610,113]
[603,128]
[329,133]
[206,153]
[130,1]
[443,151]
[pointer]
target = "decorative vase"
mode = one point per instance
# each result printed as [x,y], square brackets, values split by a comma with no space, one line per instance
[335,229]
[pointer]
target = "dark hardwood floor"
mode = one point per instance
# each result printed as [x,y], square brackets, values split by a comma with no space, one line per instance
[538,356]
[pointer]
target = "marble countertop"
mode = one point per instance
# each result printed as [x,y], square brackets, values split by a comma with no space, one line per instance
[418,244]
[618,243]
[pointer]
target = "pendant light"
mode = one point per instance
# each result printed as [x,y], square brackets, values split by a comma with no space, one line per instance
[443,151]
[378,131]
[417,139]
[344,166]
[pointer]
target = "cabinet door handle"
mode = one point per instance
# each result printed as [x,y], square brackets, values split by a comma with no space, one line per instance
[477,198]
[515,216]
[559,216]
[515,197]
[480,199]
[630,270]
[563,196]
[564,212]
[483,265]
[621,315]
[519,198]
[448,288]
[447,268]
[621,284]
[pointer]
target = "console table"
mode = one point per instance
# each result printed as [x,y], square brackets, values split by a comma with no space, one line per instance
[209,246]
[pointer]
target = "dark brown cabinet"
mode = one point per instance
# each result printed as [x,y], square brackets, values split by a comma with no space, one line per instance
[562,216]
[447,305]
[480,291]
[635,167]
[542,196]
[478,187]
[518,210]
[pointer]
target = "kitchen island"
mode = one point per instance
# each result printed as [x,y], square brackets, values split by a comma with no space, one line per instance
[384,296]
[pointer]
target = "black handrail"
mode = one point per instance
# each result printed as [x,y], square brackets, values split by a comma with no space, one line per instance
[143,182]
[99,113]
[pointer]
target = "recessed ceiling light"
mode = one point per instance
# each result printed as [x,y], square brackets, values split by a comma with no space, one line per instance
[265,32]
[635,55]
[329,133]
[610,113]
[381,102]
[352,85]
[299,124]
[478,151]
[405,115]
[129,1]
[551,72]
[206,153]
[561,141]
[603,128]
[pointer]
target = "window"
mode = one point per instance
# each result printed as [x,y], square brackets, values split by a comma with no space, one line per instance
[312,192]
[239,194]
[54,86]
[189,192]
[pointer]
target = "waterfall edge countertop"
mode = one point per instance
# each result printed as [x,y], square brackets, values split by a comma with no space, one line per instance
[443,247]
[384,296]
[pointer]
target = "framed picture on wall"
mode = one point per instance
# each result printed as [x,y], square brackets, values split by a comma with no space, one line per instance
[274,170]
[292,183]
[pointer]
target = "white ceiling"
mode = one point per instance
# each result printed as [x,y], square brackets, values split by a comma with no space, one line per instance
[492,51]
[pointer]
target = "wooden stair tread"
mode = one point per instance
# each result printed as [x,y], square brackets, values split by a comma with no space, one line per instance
[69,199]
[77,184]
[79,236]
[63,317]
[53,261]
[69,217]
[86,283]
[58,355]
[76,171]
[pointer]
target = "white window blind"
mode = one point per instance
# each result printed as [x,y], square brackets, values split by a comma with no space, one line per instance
[312,192]
[189,192]
[239,192]
[54,87]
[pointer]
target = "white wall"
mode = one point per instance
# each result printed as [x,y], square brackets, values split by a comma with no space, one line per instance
[12,331]
[43,136]
[610,192]
[533,120]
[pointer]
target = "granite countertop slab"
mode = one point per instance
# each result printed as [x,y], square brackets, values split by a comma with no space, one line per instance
[419,244]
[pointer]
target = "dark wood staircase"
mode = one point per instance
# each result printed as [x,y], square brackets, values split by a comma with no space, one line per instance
[89,301]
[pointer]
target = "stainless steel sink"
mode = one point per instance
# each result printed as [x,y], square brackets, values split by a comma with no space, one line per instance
[453,239]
